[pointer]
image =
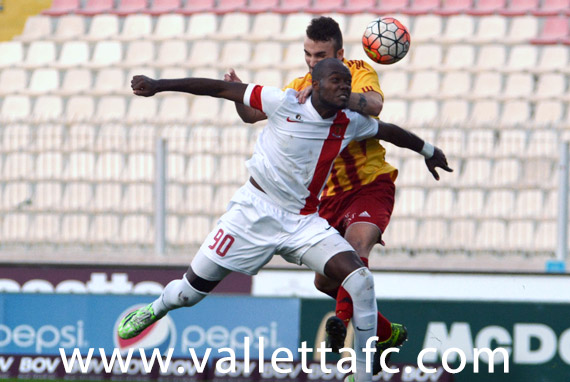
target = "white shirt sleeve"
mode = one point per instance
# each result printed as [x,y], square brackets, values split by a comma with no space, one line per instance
[264,98]
[367,127]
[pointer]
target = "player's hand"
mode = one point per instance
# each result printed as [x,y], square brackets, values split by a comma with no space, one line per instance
[231,76]
[304,94]
[437,160]
[144,86]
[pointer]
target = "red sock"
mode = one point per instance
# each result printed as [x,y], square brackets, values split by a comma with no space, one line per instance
[344,311]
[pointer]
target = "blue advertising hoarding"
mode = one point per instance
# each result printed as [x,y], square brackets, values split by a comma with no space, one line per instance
[41,324]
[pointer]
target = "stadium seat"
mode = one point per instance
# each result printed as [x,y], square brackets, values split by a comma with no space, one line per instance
[47,108]
[515,113]
[168,26]
[204,110]
[49,165]
[551,86]
[49,136]
[529,204]
[74,229]
[543,143]
[453,7]
[14,108]
[47,195]
[459,56]
[487,7]
[452,140]
[40,54]
[292,6]
[232,170]
[491,57]
[520,235]
[201,168]
[73,54]
[410,201]
[104,229]
[193,230]
[69,27]
[506,172]
[16,136]
[424,83]
[421,7]
[109,166]
[426,56]
[453,112]
[163,7]
[103,27]
[141,137]
[13,81]
[440,203]
[458,28]
[553,31]
[80,166]
[266,55]
[518,86]
[491,235]
[192,7]
[268,77]
[394,82]
[142,109]
[198,198]
[260,6]
[106,53]
[18,166]
[538,172]
[136,26]
[422,112]
[16,227]
[487,84]
[511,142]
[519,7]
[173,108]
[236,54]
[265,27]
[319,7]
[175,135]
[11,54]
[401,232]
[232,27]
[129,7]
[37,27]
[96,7]
[173,73]
[522,57]
[111,137]
[139,53]
[294,27]
[229,6]
[476,172]
[356,24]
[203,53]
[76,81]
[545,236]
[203,139]
[110,108]
[454,85]
[426,28]
[44,227]
[490,29]
[109,81]
[176,164]
[553,58]
[550,207]
[61,7]
[76,195]
[522,29]
[233,140]
[551,8]
[43,81]
[479,142]
[140,167]
[470,202]
[201,25]
[548,113]
[433,234]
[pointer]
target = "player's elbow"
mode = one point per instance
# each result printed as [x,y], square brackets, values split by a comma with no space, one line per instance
[376,107]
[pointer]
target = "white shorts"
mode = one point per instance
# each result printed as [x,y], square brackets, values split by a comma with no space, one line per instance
[254,228]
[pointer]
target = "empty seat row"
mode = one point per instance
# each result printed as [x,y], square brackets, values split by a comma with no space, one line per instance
[413,7]
[269,27]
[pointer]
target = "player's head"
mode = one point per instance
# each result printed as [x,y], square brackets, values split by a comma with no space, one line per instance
[331,84]
[323,40]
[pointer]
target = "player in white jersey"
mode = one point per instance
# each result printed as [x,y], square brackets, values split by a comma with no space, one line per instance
[275,212]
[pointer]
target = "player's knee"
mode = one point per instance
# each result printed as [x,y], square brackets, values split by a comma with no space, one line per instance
[360,284]
[326,286]
[179,293]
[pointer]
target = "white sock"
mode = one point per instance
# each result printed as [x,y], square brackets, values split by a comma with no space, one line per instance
[360,285]
[176,294]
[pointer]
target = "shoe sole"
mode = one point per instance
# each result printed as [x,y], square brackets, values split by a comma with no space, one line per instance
[336,333]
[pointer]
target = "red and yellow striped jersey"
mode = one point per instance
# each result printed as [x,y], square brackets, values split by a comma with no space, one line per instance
[360,163]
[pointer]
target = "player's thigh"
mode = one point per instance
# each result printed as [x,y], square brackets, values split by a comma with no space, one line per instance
[203,274]
[320,254]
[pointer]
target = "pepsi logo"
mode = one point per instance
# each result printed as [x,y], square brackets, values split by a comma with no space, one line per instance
[161,335]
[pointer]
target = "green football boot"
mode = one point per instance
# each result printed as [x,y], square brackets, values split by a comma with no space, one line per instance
[135,322]
[398,337]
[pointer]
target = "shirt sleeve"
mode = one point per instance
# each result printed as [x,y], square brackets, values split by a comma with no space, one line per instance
[364,77]
[367,127]
[264,98]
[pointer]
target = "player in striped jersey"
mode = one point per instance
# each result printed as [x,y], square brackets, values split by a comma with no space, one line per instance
[359,195]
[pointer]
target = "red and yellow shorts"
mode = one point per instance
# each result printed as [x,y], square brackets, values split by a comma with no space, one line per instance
[372,203]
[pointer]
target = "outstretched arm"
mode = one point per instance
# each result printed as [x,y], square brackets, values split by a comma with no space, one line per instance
[434,157]
[147,87]
[246,113]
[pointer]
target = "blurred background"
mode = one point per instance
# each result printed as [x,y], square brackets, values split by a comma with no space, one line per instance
[92,176]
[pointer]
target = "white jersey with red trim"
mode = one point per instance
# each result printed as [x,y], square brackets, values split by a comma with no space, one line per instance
[294,153]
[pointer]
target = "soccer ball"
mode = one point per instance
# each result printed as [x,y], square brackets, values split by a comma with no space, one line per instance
[386,40]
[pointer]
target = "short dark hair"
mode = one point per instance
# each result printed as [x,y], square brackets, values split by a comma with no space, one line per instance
[325,29]
[324,67]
